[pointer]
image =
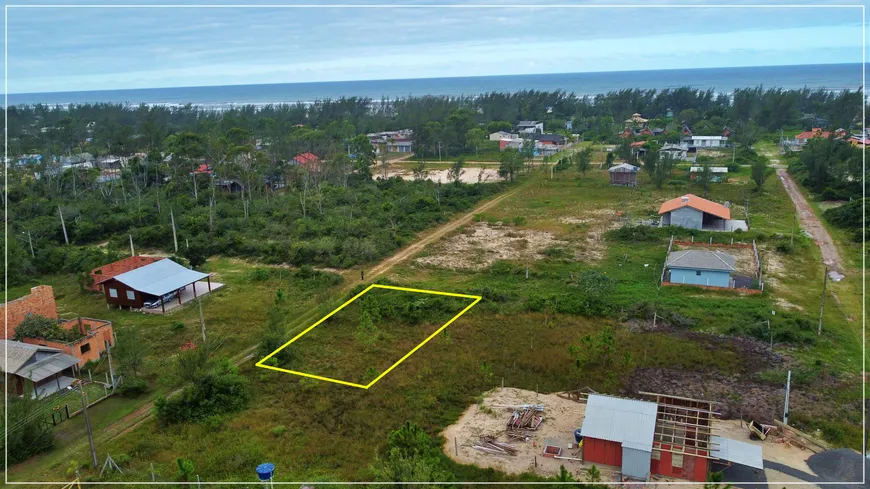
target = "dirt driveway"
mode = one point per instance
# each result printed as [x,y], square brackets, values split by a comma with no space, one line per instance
[811,222]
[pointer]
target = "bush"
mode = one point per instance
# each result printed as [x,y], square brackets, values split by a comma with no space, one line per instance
[223,390]
[36,326]
[278,431]
[785,248]
[176,327]
[519,221]
[133,387]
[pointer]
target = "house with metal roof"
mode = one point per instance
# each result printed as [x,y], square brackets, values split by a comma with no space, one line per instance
[623,174]
[669,436]
[530,127]
[693,212]
[619,432]
[701,267]
[38,369]
[160,281]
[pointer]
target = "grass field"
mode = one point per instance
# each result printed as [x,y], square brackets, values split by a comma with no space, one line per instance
[518,335]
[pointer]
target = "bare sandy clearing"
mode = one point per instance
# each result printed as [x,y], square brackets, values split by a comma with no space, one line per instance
[561,418]
[469,175]
[480,245]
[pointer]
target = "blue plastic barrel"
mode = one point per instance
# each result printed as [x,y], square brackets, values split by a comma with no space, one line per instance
[265,471]
[577,435]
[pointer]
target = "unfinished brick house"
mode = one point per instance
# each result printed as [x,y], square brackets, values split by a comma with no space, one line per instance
[106,272]
[40,301]
[91,335]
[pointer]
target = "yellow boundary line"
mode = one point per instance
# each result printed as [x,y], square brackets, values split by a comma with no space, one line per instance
[476,298]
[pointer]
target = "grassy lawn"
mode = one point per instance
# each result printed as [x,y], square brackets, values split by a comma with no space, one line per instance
[518,335]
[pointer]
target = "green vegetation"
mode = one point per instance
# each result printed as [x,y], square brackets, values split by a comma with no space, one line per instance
[585,310]
[36,326]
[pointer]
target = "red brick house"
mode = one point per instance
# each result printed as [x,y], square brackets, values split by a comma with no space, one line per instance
[94,333]
[40,301]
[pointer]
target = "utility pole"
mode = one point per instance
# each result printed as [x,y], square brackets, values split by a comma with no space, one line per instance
[174,236]
[439,151]
[787,392]
[822,309]
[88,426]
[201,319]
[793,224]
[132,251]
[111,368]
[771,334]
[65,237]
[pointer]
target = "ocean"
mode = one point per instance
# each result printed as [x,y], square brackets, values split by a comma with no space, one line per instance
[833,77]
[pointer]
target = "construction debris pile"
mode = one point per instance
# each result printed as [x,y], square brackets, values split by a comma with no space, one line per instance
[490,445]
[526,418]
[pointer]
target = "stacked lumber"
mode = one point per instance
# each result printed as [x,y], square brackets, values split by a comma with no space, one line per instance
[526,419]
[491,445]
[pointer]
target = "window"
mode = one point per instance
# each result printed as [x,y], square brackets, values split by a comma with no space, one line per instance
[113,293]
[677,460]
[86,347]
[131,295]
[656,455]
[698,273]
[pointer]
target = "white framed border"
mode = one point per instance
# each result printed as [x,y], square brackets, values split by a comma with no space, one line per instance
[419,6]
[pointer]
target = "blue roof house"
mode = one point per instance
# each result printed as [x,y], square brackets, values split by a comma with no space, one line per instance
[698,267]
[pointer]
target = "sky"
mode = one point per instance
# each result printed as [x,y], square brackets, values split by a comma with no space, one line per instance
[57,49]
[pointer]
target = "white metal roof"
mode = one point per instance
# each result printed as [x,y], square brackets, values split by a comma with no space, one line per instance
[713,169]
[738,452]
[160,277]
[626,421]
[623,167]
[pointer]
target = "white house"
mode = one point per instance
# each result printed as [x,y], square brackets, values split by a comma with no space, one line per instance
[499,135]
[504,144]
[706,141]
[530,127]
[675,151]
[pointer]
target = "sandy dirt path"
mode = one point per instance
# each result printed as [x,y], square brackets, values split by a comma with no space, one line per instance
[811,223]
[434,235]
[145,412]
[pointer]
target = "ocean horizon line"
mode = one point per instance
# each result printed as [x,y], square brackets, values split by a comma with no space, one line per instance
[722,80]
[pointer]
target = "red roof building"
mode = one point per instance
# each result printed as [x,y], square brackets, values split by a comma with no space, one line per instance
[817,132]
[202,169]
[307,160]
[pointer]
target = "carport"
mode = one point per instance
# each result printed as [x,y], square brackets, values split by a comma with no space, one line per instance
[155,280]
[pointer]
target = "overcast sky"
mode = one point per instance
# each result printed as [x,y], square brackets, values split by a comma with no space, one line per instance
[69,49]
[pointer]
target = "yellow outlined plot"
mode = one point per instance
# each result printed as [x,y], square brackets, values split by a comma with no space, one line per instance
[339,308]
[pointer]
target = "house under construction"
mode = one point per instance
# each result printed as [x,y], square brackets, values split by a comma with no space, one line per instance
[671,437]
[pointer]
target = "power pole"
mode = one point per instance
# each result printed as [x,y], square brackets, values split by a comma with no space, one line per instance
[132,251]
[787,392]
[771,334]
[88,426]
[793,224]
[822,309]
[201,319]
[65,237]
[174,236]
[111,368]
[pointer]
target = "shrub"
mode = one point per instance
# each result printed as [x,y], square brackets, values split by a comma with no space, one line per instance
[786,248]
[133,387]
[259,275]
[223,390]
[36,326]
[176,327]
[519,221]
[278,431]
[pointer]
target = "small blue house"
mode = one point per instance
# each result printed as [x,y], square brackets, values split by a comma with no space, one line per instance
[698,267]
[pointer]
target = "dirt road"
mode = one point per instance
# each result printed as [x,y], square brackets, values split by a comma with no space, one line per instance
[434,235]
[144,412]
[811,223]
